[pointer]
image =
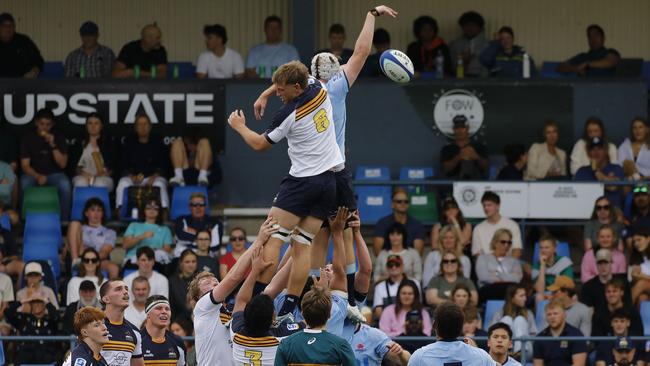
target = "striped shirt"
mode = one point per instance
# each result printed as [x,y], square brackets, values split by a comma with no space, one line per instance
[168,352]
[125,342]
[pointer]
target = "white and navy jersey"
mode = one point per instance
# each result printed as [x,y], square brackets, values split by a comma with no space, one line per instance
[370,345]
[511,362]
[168,352]
[82,355]
[456,353]
[212,337]
[337,88]
[338,313]
[306,122]
[257,350]
[124,343]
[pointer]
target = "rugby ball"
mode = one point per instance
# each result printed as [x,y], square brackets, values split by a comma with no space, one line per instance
[396,65]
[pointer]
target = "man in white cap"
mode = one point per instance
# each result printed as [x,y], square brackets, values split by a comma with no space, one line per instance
[34,277]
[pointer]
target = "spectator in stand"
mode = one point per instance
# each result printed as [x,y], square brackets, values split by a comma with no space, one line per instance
[603,214]
[205,261]
[461,295]
[515,314]
[464,159]
[598,61]
[452,216]
[594,127]
[411,259]
[640,265]
[545,159]
[503,58]
[484,232]
[19,56]
[413,327]
[640,211]
[6,297]
[439,288]
[144,56]
[516,161]
[497,270]
[142,161]
[593,291]
[602,170]
[135,313]
[499,343]
[91,60]
[621,321]
[178,283]
[393,317]
[95,166]
[449,241]
[87,296]
[470,45]
[7,184]
[186,227]
[34,315]
[550,266]
[472,326]
[150,233]
[381,42]
[34,285]
[10,261]
[184,328]
[559,353]
[337,44]
[192,160]
[615,295]
[577,313]
[237,248]
[265,58]
[414,230]
[89,270]
[607,239]
[43,158]
[633,154]
[218,61]
[386,291]
[424,52]
[146,260]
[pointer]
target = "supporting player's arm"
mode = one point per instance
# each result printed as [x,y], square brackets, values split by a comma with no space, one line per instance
[337,225]
[396,354]
[245,293]
[279,281]
[363,277]
[257,142]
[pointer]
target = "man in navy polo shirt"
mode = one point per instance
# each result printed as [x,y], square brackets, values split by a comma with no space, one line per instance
[414,229]
[602,170]
[598,61]
[563,352]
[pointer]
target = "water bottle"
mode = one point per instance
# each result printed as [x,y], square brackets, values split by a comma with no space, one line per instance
[134,213]
[440,65]
[175,73]
[460,69]
[136,71]
[82,72]
[262,72]
[526,66]
[153,71]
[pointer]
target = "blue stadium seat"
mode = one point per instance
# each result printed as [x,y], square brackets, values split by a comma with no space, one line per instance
[548,70]
[5,223]
[562,250]
[646,72]
[42,239]
[125,216]
[539,313]
[415,172]
[2,354]
[627,205]
[493,171]
[181,199]
[128,271]
[374,202]
[52,70]
[372,172]
[491,307]
[185,70]
[645,316]
[83,194]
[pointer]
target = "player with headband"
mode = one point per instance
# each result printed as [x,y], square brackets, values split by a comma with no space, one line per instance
[159,345]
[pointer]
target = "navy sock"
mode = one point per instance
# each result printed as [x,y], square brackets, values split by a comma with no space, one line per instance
[351,299]
[259,288]
[289,305]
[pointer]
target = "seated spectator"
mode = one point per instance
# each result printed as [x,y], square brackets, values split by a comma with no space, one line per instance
[516,161]
[601,170]
[640,211]
[550,265]
[593,291]
[158,284]
[151,233]
[484,232]
[142,161]
[89,270]
[594,127]
[472,326]
[178,283]
[515,314]
[237,248]
[633,154]
[19,56]
[469,46]
[381,42]
[191,158]
[414,230]
[91,60]
[545,159]
[577,313]
[411,259]
[184,328]
[393,317]
[413,327]
[607,239]
[621,321]
[449,241]
[218,61]
[385,291]
[95,166]
[499,343]
[34,285]
[439,288]
[187,226]
[452,216]
[640,265]
[598,61]
[7,184]
[86,296]
[462,296]
[503,58]
[337,44]
[43,157]
[10,262]
[615,294]
[427,48]
[464,159]
[266,57]
[144,57]
[205,261]
[141,290]
[497,270]
[559,353]
[34,315]
[6,297]
[603,214]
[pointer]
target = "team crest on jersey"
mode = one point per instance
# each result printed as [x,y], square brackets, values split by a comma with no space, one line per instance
[292,326]
[79,362]
[361,347]
[172,353]
[128,337]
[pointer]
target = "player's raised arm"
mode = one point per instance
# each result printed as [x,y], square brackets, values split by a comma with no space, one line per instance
[363,276]
[245,293]
[257,142]
[337,225]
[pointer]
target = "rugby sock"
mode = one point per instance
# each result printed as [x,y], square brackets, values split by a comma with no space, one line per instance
[351,299]
[258,288]
[289,305]
[203,175]
[178,173]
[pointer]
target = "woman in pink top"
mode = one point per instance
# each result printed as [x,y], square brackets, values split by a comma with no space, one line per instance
[607,239]
[393,317]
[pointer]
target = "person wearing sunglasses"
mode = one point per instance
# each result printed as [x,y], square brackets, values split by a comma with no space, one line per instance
[186,227]
[237,248]
[414,229]
[634,152]
[603,214]
[90,269]
[440,288]
[497,270]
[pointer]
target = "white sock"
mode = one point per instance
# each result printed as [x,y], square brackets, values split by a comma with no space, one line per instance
[203,174]
[178,173]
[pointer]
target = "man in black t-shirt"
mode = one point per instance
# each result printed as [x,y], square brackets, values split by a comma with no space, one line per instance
[146,53]
[598,61]
[19,56]
[464,159]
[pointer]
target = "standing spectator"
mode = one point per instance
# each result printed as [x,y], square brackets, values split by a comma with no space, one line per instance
[503,58]
[500,343]
[464,159]
[393,317]
[205,261]
[187,226]
[615,293]
[35,315]
[546,160]
[414,230]
[89,270]
[516,161]
[141,290]
[550,265]
[87,296]
[607,239]
[142,161]
[428,47]
[593,291]
[470,45]
[602,170]
[594,127]
[150,233]
[386,291]
[265,58]
[559,353]
[95,166]
[144,56]
[603,214]
[634,153]
[218,61]
[449,241]
[621,321]
[439,288]
[598,61]
[497,270]
[381,42]
[577,313]
[410,257]
[178,283]
[237,248]
[34,285]
[515,314]
[192,160]
[452,216]
[158,283]
[91,60]
[43,158]
[19,56]
[640,211]
[484,231]
[337,44]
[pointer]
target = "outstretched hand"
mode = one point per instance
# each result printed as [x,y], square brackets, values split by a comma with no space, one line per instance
[355,223]
[259,264]
[237,119]
[268,228]
[384,10]
[337,224]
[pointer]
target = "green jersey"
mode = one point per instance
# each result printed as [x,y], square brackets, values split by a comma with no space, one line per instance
[314,347]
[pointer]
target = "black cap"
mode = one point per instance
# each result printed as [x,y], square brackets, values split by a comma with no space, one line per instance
[89,29]
[460,121]
[414,315]
[623,344]
[6,17]
[596,142]
[641,230]
[87,285]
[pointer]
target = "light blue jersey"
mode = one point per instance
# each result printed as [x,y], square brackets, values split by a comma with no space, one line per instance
[337,88]
[279,301]
[456,353]
[370,345]
[338,313]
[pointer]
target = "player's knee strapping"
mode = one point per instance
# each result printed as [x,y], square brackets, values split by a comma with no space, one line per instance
[282,234]
[303,237]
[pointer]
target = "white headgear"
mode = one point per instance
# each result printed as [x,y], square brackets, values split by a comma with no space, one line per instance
[324,65]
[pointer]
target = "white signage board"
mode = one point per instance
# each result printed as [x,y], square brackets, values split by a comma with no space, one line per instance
[514,198]
[568,200]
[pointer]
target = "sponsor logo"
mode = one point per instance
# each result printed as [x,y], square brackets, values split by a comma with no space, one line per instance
[452,103]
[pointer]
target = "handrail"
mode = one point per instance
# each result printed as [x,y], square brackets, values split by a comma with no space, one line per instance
[447,182]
